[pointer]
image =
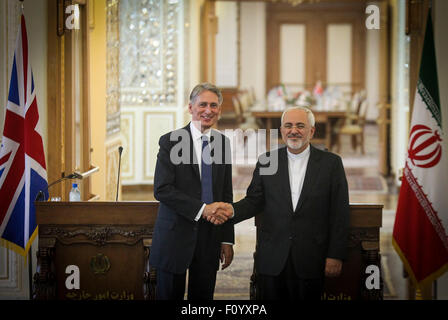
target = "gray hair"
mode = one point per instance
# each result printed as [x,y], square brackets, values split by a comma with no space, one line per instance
[205,87]
[309,114]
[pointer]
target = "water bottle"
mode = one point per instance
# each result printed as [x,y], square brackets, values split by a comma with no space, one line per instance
[75,194]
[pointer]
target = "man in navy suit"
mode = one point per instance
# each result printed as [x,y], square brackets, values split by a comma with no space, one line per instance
[303,212]
[193,170]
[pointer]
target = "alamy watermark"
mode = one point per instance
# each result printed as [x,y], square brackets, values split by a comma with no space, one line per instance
[72,21]
[245,147]
[374,278]
[374,18]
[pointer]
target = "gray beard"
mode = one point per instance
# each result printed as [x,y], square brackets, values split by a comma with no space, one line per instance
[295,145]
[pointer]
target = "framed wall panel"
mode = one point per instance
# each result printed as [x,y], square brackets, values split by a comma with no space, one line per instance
[292,54]
[155,125]
[128,156]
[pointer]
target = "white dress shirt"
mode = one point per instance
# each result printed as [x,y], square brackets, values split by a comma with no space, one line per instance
[197,144]
[297,164]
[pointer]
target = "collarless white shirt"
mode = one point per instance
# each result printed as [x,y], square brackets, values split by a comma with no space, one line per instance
[297,164]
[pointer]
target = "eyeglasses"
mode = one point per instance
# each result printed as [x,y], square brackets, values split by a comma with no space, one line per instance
[299,126]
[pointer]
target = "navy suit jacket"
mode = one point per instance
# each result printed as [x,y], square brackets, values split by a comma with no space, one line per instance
[315,230]
[178,188]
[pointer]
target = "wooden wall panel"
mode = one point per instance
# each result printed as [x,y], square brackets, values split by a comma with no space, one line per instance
[316,17]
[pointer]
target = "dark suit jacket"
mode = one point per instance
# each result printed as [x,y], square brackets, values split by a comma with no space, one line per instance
[178,188]
[317,229]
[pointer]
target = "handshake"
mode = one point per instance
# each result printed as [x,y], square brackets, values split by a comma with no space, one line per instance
[217,212]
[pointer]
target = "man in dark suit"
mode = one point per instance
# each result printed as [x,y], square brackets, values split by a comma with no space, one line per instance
[193,170]
[304,211]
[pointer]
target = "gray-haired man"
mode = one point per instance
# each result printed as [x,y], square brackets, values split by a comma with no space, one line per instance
[186,189]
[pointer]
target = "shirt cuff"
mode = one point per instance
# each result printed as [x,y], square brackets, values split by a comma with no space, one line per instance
[199,215]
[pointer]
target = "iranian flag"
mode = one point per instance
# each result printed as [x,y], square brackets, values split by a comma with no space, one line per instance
[421,222]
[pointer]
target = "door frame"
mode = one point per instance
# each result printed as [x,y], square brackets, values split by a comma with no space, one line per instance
[61,98]
[315,16]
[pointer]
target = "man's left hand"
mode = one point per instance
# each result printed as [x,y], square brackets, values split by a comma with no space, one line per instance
[333,267]
[226,255]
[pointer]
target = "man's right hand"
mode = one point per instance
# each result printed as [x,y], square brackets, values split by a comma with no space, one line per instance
[217,212]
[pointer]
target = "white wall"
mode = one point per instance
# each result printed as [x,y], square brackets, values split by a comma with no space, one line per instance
[292,54]
[339,55]
[253,47]
[226,45]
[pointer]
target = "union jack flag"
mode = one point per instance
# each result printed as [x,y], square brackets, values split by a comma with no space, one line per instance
[22,159]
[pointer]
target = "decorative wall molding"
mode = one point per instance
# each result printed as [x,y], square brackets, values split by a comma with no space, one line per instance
[112,158]
[152,80]
[112,67]
[128,134]
[155,124]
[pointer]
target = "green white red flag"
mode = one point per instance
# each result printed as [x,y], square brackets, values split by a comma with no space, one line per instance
[421,222]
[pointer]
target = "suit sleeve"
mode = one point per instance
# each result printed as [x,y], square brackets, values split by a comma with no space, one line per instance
[339,213]
[253,203]
[165,189]
[228,230]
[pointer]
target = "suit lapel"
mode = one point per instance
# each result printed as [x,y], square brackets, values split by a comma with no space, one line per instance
[194,160]
[283,175]
[311,175]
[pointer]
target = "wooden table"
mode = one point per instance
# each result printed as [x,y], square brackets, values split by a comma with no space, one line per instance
[329,118]
[109,244]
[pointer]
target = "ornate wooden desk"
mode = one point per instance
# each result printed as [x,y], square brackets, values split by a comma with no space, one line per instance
[108,241]
[110,244]
[363,251]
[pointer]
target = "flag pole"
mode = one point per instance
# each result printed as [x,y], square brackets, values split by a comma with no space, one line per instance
[30,255]
[435,290]
[30,271]
[434,287]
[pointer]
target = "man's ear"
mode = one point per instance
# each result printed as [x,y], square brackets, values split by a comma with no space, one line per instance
[313,129]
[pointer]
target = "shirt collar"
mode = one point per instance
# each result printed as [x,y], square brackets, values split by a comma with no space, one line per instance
[300,155]
[196,134]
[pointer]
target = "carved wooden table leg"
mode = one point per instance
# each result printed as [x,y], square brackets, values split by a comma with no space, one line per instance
[149,274]
[44,279]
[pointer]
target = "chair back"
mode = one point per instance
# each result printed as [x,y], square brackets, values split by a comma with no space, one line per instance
[244,100]
[237,108]
[252,95]
[363,112]
[354,103]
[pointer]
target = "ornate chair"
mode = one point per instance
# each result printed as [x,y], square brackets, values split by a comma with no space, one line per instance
[354,127]
[241,104]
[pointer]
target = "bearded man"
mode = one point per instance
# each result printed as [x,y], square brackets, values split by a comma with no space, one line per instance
[304,214]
